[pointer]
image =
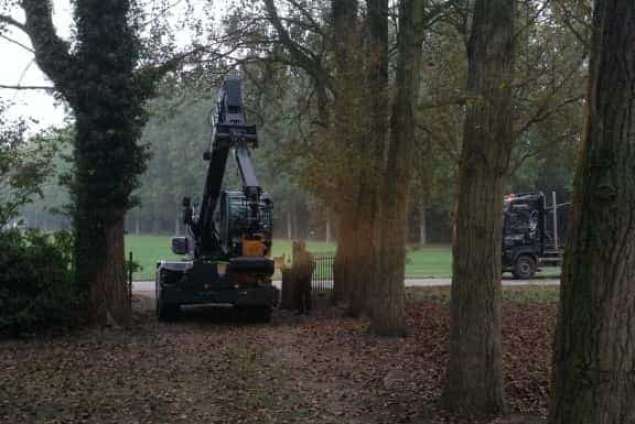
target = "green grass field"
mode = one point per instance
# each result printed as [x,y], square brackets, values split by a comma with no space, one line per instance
[148,249]
[434,261]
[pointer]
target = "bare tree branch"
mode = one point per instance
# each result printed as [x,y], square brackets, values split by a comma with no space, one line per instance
[516,164]
[545,112]
[26,87]
[303,57]
[9,20]
[459,100]
[51,52]
[157,71]
[309,17]
[17,43]
[161,13]
[534,18]
[568,16]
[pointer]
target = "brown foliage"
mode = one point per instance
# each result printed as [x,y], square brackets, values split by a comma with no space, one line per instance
[323,369]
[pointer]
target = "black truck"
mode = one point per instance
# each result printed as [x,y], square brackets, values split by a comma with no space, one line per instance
[533,233]
[228,240]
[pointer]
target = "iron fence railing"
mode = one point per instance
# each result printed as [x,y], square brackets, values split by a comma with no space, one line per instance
[322,278]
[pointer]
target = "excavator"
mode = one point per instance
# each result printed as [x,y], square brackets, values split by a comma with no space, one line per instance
[227,245]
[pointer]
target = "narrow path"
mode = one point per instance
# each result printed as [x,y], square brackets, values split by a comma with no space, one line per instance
[147,287]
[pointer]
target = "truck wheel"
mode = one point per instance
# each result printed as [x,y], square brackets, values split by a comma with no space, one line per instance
[524,268]
[167,312]
[263,314]
[255,313]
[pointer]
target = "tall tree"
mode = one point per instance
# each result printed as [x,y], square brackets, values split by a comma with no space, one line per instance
[474,374]
[387,312]
[345,132]
[366,159]
[97,78]
[595,340]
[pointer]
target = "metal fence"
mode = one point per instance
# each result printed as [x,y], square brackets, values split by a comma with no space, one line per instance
[322,278]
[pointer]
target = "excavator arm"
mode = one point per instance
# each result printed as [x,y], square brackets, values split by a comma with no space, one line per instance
[230,132]
[229,239]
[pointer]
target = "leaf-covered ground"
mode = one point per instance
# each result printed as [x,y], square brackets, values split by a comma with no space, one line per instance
[208,368]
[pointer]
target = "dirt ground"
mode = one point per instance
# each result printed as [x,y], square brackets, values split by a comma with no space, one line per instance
[210,368]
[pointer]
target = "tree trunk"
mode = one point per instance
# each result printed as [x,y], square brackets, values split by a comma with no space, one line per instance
[137,228]
[369,156]
[387,317]
[423,231]
[362,265]
[342,272]
[100,267]
[347,91]
[593,372]
[98,80]
[474,374]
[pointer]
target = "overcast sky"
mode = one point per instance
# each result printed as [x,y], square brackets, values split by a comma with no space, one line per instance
[18,66]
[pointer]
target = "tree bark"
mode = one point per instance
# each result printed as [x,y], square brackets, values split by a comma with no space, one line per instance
[100,244]
[474,374]
[342,267]
[593,372]
[363,265]
[347,91]
[387,317]
[368,159]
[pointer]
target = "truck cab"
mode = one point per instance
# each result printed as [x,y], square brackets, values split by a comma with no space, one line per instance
[532,233]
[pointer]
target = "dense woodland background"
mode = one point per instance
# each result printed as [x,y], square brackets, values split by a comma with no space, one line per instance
[548,90]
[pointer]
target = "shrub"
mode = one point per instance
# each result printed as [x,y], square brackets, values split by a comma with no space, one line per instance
[36,282]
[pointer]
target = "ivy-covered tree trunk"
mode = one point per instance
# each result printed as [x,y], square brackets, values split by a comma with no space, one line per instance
[474,374]
[593,370]
[99,82]
[387,317]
